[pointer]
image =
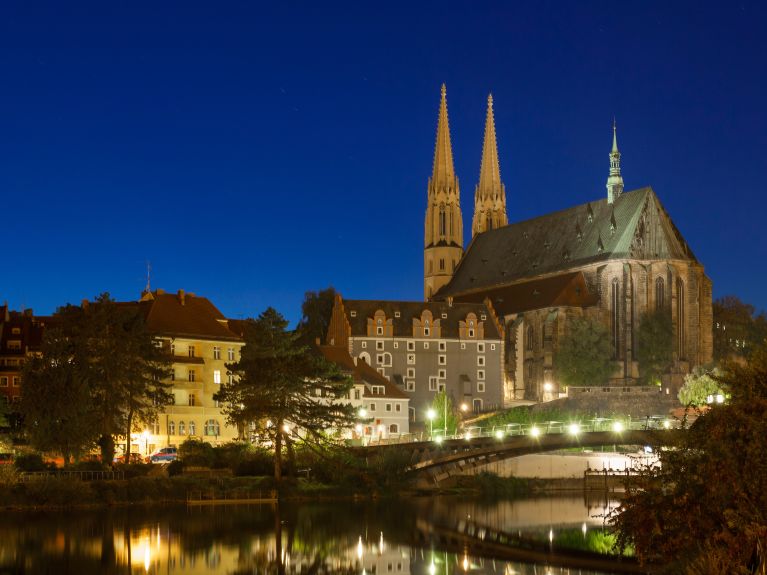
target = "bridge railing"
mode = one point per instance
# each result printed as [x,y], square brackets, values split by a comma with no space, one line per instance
[575,427]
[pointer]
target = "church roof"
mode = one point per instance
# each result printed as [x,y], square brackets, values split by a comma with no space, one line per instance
[635,226]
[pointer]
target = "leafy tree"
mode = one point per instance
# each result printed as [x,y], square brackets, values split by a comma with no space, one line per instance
[316,312]
[699,386]
[654,344]
[704,509]
[446,416]
[283,388]
[738,329]
[584,355]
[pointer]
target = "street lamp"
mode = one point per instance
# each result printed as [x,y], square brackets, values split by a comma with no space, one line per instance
[430,415]
[145,435]
[363,412]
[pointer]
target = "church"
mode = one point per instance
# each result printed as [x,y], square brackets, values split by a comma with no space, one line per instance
[611,260]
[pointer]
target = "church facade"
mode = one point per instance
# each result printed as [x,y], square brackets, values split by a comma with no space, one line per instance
[610,260]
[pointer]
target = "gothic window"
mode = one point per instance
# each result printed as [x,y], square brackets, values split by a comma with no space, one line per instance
[680,317]
[171,427]
[614,327]
[530,337]
[452,231]
[659,293]
[442,264]
[442,228]
[489,223]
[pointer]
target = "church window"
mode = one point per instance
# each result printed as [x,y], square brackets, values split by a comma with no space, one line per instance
[614,327]
[442,264]
[431,267]
[442,229]
[453,265]
[530,337]
[489,223]
[680,318]
[659,293]
[452,232]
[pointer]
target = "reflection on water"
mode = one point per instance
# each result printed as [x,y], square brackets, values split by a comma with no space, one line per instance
[372,538]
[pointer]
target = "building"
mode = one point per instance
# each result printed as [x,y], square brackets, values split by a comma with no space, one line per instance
[21,334]
[383,408]
[611,259]
[200,343]
[425,348]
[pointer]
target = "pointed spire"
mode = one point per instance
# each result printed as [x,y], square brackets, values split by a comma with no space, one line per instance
[614,180]
[443,172]
[490,194]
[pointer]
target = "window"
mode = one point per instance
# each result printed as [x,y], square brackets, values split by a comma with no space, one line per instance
[387,359]
[173,375]
[181,428]
[463,346]
[444,315]
[411,358]
[398,407]
[442,264]
[396,314]
[614,327]
[680,319]
[216,352]
[480,374]
[442,374]
[480,387]
[393,428]
[16,331]
[3,382]
[191,351]
[492,347]
[192,401]
[14,344]
[171,427]
[379,345]
[442,346]
[192,428]
[173,349]
[659,295]
[379,330]
[230,354]
[410,385]
[156,427]
[378,389]
[365,356]
[364,345]
[426,334]
[426,345]
[16,381]
[530,337]
[481,360]
[480,348]
[411,346]
[356,394]
[191,375]
[396,345]
[212,427]
[483,317]
[432,383]
[388,407]
[381,370]
[217,376]
[442,221]
[380,358]
[372,407]
[229,377]
[471,332]
[410,372]
[440,386]
[353,313]
[442,359]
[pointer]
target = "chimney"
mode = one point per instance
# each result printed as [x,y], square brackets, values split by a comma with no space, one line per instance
[182,297]
[84,304]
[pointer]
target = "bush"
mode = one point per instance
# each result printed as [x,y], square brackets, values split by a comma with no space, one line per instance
[231,454]
[31,462]
[175,467]
[259,462]
[196,453]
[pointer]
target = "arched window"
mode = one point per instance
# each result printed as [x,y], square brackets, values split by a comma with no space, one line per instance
[181,428]
[442,228]
[659,295]
[393,428]
[530,338]
[452,229]
[386,359]
[489,222]
[212,427]
[680,317]
[171,427]
[614,326]
[192,428]
[364,356]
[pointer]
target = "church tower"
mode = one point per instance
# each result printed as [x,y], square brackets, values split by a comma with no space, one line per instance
[614,180]
[490,193]
[443,238]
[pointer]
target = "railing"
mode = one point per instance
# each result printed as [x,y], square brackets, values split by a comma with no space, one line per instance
[617,425]
[79,475]
[619,390]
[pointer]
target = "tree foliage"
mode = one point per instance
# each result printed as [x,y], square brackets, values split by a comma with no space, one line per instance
[316,312]
[699,385]
[738,328]
[584,354]
[704,509]
[654,344]
[446,415]
[98,373]
[284,389]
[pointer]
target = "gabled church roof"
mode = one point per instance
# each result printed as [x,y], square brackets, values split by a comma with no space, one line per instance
[635,226]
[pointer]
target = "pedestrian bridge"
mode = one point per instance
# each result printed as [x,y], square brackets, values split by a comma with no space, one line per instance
[438,456]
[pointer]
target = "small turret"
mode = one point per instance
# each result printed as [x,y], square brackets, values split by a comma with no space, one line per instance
[614,180]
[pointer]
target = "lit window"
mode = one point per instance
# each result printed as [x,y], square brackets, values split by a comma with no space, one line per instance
[212,427]
[216,352]
[217,376]
[192,428]
[171,427]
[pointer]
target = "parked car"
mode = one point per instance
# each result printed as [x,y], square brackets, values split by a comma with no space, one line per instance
[6,458]
[164,454]
[134,458]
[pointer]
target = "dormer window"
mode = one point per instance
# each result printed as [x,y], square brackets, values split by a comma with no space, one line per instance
[353,313]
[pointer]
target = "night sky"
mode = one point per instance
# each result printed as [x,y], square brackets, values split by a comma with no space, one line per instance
[254,151]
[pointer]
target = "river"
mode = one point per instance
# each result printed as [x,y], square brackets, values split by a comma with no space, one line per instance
[420,536]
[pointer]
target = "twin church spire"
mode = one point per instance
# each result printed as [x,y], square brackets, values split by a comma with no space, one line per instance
[490,193]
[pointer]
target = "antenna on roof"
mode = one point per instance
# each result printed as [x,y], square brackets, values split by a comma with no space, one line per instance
[148,288]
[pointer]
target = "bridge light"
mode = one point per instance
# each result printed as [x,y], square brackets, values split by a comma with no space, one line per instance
[719,398]
[432,568]
[464,407]
[534,432]
[431,414]
[666,424]
[438,439]
[467,437]
[465,563]
[548,386]
[499,433]
[573,429]
[617,427]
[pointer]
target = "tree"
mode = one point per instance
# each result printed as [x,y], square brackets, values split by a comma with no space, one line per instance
[584,355]
[704,509]
[700,385]
[316,312]
[284,389]
[654,344]
[445,414]
[738,329]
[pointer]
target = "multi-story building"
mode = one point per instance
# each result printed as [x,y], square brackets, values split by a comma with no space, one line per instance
[20,335]
[426,347]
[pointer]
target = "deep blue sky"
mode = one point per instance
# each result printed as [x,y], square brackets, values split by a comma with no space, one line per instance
[254,151]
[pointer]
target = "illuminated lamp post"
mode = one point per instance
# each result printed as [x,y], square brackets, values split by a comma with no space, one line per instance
[430,415]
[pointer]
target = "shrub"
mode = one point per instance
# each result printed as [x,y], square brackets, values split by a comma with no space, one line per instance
[175,467]
[31,462]
[196,453]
